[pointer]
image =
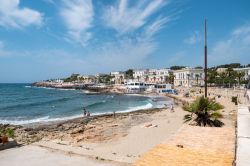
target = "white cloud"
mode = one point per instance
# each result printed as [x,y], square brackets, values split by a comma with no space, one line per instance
[132,46]
[125,18]
[130,51]
[78,17]
[194,38]
[235,48]
[11,15]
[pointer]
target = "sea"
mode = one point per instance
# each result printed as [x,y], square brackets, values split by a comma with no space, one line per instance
[23,104]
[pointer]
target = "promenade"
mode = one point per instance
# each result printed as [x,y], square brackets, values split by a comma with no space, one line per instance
[243,136]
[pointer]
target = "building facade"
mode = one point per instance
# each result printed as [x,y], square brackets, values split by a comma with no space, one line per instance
[151,75]
[87,79]
[245,70]
[189,77]
[118,77]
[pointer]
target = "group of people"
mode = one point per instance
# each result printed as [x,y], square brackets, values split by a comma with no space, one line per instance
[86,113]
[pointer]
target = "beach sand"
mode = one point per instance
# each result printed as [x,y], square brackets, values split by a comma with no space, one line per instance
[122,139]
[137,140]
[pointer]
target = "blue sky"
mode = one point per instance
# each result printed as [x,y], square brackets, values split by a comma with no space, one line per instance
[45,39]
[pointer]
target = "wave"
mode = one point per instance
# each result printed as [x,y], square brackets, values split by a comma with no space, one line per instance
[96,104]
[37,120]
[48,119]
[27,86]
[36,103]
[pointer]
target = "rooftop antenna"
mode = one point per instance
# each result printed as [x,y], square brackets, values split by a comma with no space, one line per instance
[205,58]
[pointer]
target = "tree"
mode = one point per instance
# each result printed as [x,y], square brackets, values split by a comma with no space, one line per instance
[73,77]
[147,78]
[223,76]
[129,73]
[121,80]
[239,76]
[177,67]
[197,78]
[171,78]
[231,76]
[204,112]
[188,76]
[198,67]
[231,65]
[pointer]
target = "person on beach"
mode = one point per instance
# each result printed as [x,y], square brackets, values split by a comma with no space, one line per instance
[85,112]
[172,107]
[88,114]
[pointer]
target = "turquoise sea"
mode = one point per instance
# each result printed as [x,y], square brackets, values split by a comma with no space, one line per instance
[23,104]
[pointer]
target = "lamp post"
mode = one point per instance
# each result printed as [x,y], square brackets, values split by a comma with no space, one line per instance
[205,58]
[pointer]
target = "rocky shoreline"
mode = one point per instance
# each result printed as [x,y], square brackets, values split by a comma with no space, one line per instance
[75,86]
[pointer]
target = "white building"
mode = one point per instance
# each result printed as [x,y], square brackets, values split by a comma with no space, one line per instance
[140,75]
[189,77]
[118,77]
[135,87]
[87,79]
[151,75]
[246,70]
[221,70]
[158,75]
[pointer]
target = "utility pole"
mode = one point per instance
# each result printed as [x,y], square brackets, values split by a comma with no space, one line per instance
[205,58]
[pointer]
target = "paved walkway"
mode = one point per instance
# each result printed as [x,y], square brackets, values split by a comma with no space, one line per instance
[31,155]
[194,145]
[243,136]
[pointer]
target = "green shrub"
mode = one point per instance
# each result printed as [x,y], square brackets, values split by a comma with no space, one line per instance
[7,132]
[204,112]
[235,99]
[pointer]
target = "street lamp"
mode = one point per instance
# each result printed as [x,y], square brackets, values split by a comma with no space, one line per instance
[205,57]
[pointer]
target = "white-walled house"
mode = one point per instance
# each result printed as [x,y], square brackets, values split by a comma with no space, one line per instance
[151,75]
[245,70]
[140,75]
[189,77]
[158,75]
[119,77]
[86,79]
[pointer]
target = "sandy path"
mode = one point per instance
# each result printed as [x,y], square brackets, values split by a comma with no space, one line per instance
[33,155]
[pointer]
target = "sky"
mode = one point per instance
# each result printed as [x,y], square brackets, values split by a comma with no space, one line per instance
[46,39]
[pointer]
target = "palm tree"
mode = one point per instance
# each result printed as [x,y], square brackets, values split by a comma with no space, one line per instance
[223,75]
[231,75]
[121,79]
[240,75]
[171,78]
[205,112]
[138,78]
[147,78]
[188,76]
[197,78]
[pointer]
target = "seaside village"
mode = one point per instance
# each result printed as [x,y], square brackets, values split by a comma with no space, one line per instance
[165,80]
[202,126]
